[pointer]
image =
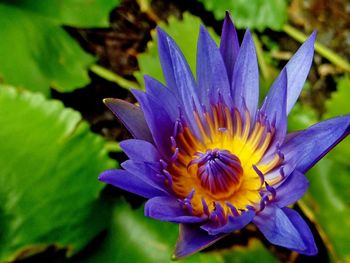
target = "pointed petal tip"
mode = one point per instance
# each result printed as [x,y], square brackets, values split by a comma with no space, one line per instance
[310,41]
[228,19]
[193,239]
[311,251]
[163,37]
[248,41]
[104,176]
[205,37]
[108,101]
[248,33]
[298,68]
[161,33]
[111,102]
[159,30]
[202,27]
[313,35]
[100,178]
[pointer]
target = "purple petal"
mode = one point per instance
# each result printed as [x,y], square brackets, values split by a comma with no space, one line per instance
[161,93]
[169,209]
[234,223]
[140,150]
[310,145]
[275,106]
[158,122]
[148,173]
[178,75]
[284,227]
[131,116]
[129,182]
[229,45]
[192,239]
[292,189]
[211,72]
[245,80]
[298,68]
[304,231]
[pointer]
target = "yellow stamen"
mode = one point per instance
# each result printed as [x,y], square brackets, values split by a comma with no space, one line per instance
[223,131]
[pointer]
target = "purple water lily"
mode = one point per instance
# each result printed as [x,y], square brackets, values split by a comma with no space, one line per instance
[208,157]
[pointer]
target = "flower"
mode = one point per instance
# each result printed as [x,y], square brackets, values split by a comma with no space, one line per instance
[207,157]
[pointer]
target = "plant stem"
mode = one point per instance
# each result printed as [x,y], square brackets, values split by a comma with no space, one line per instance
[111,76]
[260,54]
[321,49]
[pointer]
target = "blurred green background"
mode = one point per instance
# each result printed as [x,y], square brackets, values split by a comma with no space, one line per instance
[60,58]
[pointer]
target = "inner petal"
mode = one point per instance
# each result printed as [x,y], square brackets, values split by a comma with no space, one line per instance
[218,171]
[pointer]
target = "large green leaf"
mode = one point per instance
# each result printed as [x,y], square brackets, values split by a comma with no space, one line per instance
[253,252]
[36,52]
[337,105]
[48,183]
[80,13]
[327,204]
[253,14]
[185,33]
[135,238]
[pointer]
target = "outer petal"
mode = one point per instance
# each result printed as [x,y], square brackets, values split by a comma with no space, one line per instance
[285,227]
[304,231]
[211,72]
[292,189]
[310,145]
[169,209]
[245,80]
[147,173]
[159,122]
[131,116]
[161,93]
[275,106]
[233,224]
[140,150]
[229,45]
[129,182]
[178,75]
[192,239]
[298,68]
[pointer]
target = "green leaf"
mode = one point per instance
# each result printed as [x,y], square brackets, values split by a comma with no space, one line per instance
[179,30]
[301,117]
[250,253]
[255,14]
[338,105]
[133,237]
[36,52]
[327,203]
[79,13]
[50,161]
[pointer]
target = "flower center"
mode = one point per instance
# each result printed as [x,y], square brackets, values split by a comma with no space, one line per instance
[219,171]
[222,163]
